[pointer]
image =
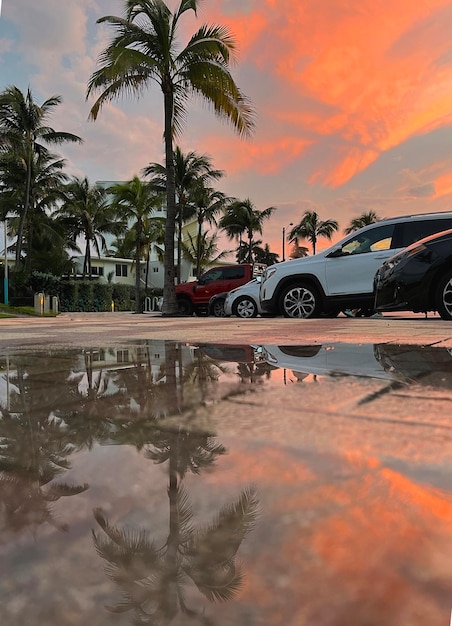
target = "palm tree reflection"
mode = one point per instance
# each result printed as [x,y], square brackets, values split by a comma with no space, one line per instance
[153,577]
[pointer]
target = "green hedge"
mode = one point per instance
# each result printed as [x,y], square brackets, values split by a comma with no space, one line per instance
[90,295]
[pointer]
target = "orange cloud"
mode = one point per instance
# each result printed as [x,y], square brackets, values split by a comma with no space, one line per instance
[443,186]
[371,74]
[264,156]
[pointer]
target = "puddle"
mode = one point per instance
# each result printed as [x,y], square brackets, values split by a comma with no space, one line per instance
[177,484]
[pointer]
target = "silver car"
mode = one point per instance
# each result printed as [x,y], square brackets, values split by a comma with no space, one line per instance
[244,301]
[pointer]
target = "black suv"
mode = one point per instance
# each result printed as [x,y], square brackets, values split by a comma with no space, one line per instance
[418,278]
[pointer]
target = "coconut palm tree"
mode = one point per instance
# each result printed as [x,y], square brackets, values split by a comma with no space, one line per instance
[46,179]
[134,201]
[363,220]
[146,49]
[242,218]
[86,213]
[24,134]
[264,254]
[190,169]
[205,204]
[203,251]
[311,228]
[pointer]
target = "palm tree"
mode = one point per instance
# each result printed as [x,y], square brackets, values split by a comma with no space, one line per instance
[363,220]
[206,204]
[264,254]
[145,49]
[134,202]
[190,169]
[86,212]
[297,251]
[24,133]
[311,228]
[46,179]
[203,251]
[241,217]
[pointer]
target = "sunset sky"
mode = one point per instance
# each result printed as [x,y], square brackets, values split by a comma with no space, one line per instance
[353,101]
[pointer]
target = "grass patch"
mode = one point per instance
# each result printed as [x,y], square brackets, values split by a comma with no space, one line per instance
[14,311]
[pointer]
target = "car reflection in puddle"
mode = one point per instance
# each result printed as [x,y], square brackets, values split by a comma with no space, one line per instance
[143,484]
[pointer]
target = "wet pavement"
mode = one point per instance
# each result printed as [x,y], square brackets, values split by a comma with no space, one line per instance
[225,472]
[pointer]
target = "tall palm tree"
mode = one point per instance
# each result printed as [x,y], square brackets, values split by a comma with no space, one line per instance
[190,169]
[205,204]
[86,212]
[24,133]
[242,218]
[134,202]
[363,220]
[311,228]
[145,49]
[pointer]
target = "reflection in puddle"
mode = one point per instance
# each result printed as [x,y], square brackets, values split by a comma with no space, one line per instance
[145,485]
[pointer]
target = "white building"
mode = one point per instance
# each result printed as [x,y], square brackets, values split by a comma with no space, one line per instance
[117,270]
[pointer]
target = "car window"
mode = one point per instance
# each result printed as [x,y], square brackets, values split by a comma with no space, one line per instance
[232,273]
[374,239]
[211,275]
[413,230]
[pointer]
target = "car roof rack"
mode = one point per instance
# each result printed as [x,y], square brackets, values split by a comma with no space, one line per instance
[427,213]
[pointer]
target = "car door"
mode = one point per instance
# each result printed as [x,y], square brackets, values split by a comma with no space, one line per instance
[234,276]
[212,282]
[351,269]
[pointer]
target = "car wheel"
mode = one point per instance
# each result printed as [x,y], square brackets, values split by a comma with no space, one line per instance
[244,307]
[301,301]
[444,297]
[217,308]
[185,306]
[202,310]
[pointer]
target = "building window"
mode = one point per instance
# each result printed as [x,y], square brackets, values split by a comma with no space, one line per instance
[97,271]
[121,269]
[155,269]
[122,356]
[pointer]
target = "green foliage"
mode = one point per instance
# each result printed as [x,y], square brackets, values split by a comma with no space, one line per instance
[46,283]
[85,295]
[123,297]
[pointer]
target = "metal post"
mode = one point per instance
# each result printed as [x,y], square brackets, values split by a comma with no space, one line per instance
[284,241]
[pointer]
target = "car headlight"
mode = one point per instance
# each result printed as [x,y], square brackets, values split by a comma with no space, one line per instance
[395,260]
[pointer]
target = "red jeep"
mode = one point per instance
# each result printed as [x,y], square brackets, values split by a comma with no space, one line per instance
[194,296]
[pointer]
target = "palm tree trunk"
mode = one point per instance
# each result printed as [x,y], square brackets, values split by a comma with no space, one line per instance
[169,307]
[139,228]
[198,248]
[179,244]
[23,217]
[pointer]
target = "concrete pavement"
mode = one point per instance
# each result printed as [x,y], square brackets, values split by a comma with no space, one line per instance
[94,329]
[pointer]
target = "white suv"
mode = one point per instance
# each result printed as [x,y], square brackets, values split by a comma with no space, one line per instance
[341,277]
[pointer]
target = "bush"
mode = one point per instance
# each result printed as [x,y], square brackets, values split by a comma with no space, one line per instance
[45,283]
[90,295]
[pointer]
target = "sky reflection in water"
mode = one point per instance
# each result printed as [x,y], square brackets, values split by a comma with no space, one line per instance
[146,484]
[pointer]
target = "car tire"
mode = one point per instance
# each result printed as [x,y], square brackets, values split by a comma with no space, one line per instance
[185,306]
[217,308]
[244,307]
[444,296]
[300,300]
[202,310]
